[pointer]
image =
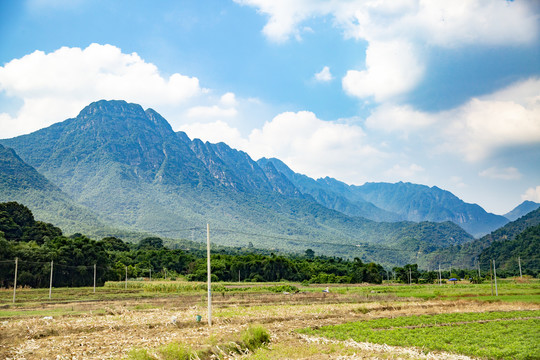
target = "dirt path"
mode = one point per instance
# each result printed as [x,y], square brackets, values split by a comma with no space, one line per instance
[121,328]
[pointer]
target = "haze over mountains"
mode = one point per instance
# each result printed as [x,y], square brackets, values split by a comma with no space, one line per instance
[118,166]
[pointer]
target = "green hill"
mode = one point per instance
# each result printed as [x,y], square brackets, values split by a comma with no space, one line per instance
[509,254]
[466,255]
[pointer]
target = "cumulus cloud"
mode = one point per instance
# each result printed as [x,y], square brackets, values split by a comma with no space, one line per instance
[404,172]
[214,132]
[509,173]
[510,117]
[401,27]
[324,75]
[392,68]
[56,85]
[477,129]
[400,118]
[532,194]
[315,147]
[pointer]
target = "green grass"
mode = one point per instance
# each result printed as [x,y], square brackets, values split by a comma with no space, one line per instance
[497,335]
[509,291]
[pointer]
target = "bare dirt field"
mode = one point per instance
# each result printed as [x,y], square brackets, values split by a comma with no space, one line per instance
[112,328]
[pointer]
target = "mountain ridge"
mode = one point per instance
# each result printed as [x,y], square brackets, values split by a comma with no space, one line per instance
[128,165]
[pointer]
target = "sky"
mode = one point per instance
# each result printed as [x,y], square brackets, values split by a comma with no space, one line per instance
[434,92]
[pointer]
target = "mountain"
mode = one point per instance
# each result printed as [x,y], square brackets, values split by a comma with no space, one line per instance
[522,209]
[21,183]
[422,203]
[466,255]
[337,195]
[394,202]
[127,165]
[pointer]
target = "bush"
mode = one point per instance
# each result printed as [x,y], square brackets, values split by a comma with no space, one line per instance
[254,337]
[175,351]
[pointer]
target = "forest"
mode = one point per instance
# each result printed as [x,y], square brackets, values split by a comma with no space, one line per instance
[40,246]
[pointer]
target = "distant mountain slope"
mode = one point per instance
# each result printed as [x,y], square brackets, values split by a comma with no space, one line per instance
[129,166]
[422,203]
[393,202]
[465,255]
[336,196]
[21,183]
[522,209]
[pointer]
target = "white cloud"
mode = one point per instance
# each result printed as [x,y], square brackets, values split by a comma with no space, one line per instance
[57,85]
[509,173]
[214,132]
[403,119]
[404,172]
[392,68]
[510,117]
[315,147]
[439,22]
[324,75]
[532,194]
[401,27]
[228,99]
[477,129]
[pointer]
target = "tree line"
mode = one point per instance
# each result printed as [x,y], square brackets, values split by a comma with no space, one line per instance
[36,244]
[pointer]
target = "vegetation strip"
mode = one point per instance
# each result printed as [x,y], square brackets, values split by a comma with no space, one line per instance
[501,334]
[455,323]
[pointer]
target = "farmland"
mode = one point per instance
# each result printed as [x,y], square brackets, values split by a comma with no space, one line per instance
[153,320]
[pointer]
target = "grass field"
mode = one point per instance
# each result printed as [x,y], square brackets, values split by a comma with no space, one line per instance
[157,320]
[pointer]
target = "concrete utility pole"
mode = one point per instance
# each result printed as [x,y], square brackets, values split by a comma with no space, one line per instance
[440,276]
[519,263]
[126,277]
[209,275]
[495,274]
[15,281]
[491,276]
[94,278]
[50,282]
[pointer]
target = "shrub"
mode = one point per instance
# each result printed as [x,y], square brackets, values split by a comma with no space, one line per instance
[254,337]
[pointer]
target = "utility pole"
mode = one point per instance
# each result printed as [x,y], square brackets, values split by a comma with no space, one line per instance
[209,275]
[519,263]
[410,277]
[94,278]
[15,281]
[478,265]
[495,274]
[440,275]
[491,276]
[50,282]
[150,274]
[126,277]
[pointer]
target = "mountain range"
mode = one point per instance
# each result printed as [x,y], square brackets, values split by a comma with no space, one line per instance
[117,168]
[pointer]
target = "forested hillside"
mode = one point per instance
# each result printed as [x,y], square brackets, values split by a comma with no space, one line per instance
[466,255]
[22,183]
[522,251]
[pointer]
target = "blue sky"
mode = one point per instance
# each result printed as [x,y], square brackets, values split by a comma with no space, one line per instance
[432,92]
